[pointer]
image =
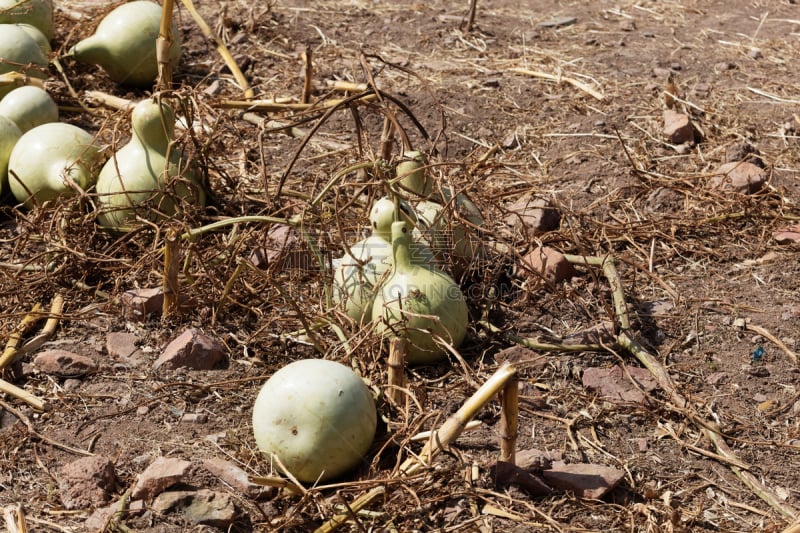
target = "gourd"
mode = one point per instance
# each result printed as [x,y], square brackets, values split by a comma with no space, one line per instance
[450,239]
[18,48]
[37,13]
[419,304]
[51,161]
[359,271]
[29,106]
[124,44]
[317,416]
[38,36]
[411,173]
[148,175]
[9,135]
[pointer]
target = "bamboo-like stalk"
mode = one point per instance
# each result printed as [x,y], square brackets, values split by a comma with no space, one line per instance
[15,519]
[559,78]
[49,329]
[163,44]
[308,73]
[172,266]
[358,504]
[14,339]
[270,105]
[509,420]
[222,49]
[396,375]
[109,100]
[19,79]
[21,394]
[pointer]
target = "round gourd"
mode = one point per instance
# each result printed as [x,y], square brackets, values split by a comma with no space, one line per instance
[317,416]
[358,272]
[37,13]
[419,304]
[51,161]
[140,180]
[9,135]
[19,48]
[124,44]
[411,173]
[38,36]
[28,107]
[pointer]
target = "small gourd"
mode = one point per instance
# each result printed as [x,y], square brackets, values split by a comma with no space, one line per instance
[147,175]
[29,106]
[317,416]
[359,271]
[124,44]
[451,240]
[37,13]
[9,135]
[419,304]
[17,48]
[51,161]
[38,36]
[411,174]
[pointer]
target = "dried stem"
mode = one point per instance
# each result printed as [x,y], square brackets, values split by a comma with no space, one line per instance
[509,420]
[14,339]
[172,267]
[163,44]
[398,348]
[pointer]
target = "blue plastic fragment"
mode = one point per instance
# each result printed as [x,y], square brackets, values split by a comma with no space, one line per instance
[758,353]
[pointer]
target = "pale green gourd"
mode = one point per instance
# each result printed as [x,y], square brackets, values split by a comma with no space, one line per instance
[124,44]
[28,107]
[18,48]
[317,416]
[412,175]
[419,304]
[358,272]
[9,135]
[147,176]
[51,161]
[38,36]
[37,13]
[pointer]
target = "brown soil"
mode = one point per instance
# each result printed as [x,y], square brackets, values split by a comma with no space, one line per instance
[497,134]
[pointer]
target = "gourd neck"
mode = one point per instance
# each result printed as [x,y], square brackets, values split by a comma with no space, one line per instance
[92,50]
[401,246]
[153,125]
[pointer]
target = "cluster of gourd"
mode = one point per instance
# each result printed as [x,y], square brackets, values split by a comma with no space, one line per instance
[394,279]
[42,159]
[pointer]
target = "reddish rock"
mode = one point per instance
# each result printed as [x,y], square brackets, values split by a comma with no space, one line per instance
[537,460]
[744,151]
[678,128]
[235,477]
[191,349]
[204,506]
[122,345]
[160,475]
[520,354]
[505,474]
[603,333]
[64,364]
[548,263]
[101,516]
[614,384]
[87,482]
[585,480]
[739,176]
[138,304]
[790,235]
[533,216]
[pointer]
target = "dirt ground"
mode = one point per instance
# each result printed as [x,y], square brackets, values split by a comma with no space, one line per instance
[706,282]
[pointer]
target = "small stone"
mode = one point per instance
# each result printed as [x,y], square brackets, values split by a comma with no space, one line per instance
[744,151]
[603,333]
[87,482]
[615,385]
[558,22]
[790,235]
[739,177]
[193,350]
[194,418]
[64,364]
[678,128]
[660,72]
[138,304]
[505,474]
[755,53]
[99,519]
[122,345]
[717,378]
[206,507]
[641,442]
[537,460]
[628,25]
[160,475]
[519,354]
[724,65]
[759,371]
[547,263]
[534,215]
[236,478]
[585,480]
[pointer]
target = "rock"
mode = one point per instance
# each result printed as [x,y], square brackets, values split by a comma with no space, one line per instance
[101,516]
[138,304]
[744,151]
[122,345]
[520,354]
[64,364]
[204,506]
[194,418]
[790,235]
[533,216]
[755,53]
[160,475]
[87,482]
[537,460]
[656,308]
[585,480]
[717,378]
[236,478]
[678,128]
[603,333]
[548,263]
[614,384]
[505,474]
[558,22]
[739,176]
[193,350]
[283,248]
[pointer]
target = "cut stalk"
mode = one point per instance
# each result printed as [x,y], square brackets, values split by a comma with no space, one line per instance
[398,347]
[509,420]
[163,44]
[15,338]
[172,266]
